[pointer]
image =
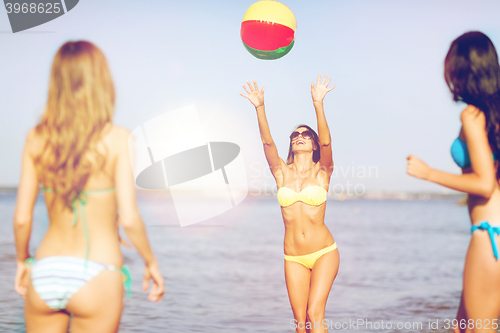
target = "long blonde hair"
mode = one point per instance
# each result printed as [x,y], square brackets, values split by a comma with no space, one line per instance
[80,103]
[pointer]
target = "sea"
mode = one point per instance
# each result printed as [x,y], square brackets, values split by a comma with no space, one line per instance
[401,264]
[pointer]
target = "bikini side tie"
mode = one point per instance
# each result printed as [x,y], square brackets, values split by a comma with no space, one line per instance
[127,281]
[491,231]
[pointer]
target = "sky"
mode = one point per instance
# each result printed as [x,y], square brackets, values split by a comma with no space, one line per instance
[385,58]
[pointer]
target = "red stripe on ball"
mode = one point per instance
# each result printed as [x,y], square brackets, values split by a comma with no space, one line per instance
[266,36]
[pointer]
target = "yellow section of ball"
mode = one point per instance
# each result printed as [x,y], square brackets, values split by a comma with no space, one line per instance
[272,11]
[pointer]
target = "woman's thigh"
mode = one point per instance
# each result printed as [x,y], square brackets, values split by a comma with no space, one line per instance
[323,274]
[297,278]
[481,285]
[97,306]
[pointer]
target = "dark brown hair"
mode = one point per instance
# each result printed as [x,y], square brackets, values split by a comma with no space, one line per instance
[472,73]
[316,152]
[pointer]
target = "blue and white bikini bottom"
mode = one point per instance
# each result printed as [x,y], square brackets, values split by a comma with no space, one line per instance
[56,279]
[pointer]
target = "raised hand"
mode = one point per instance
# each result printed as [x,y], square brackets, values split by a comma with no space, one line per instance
[417,168]
[319,91]
[255,96]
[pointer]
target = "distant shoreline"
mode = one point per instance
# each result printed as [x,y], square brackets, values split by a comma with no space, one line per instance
[376,195]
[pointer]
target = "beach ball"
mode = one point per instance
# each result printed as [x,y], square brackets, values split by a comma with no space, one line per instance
[268,29]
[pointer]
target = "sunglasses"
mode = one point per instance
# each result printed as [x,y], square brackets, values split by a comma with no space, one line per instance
[306,135]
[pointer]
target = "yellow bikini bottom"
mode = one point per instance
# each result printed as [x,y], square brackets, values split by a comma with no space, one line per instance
[308,260]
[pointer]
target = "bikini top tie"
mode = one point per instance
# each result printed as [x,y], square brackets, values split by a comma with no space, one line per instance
[313,195]
[78,206]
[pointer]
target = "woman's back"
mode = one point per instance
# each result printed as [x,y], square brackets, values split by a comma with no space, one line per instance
[94,210]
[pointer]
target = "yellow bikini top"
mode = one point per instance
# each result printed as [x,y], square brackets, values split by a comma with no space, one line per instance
[312,195]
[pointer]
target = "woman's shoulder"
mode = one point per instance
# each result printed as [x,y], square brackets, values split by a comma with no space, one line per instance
[116,136]
[319,168]
[121,131]
[35,142]
[472,114]
[116,131]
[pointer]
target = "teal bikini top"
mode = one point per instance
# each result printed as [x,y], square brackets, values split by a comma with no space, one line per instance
[78,205]
[460,153]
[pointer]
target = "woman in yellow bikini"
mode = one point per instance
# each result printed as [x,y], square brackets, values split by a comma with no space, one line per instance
[311,255]
[82,162]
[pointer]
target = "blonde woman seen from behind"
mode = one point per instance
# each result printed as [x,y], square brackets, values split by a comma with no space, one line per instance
[82,162]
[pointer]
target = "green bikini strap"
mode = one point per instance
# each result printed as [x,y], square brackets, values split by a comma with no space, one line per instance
[81,199]
[77,205]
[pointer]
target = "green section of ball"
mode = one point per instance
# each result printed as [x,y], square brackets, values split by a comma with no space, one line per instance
[270,55]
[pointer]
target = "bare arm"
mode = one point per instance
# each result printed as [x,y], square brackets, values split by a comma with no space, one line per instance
[481,181]
[256,97]
[318,94]
[131,219]
[23,215]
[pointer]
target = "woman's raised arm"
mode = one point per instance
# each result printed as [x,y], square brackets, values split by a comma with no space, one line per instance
[318,93]
[256,97]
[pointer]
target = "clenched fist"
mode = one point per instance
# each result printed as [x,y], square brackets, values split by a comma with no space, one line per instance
[417,168]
